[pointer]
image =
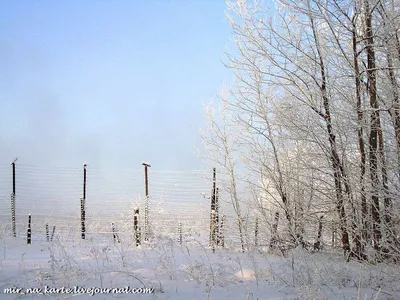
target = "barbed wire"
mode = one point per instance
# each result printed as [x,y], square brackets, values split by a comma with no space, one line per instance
[51,194]
[57,190]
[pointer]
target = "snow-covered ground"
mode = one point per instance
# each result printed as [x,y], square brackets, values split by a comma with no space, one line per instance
[187,271]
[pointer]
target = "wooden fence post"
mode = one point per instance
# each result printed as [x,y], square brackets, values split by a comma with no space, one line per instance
[13,222]
[216,219]
[213,210]
[13,225]
[146,204]
[136,227]
[213,224]
[47,233]
[52,233]
[221,231]
[29,231]
[83,215]
[180,232]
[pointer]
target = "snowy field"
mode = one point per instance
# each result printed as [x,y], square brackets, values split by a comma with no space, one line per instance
[187,271]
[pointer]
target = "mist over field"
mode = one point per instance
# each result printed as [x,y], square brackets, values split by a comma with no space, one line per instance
[172,149]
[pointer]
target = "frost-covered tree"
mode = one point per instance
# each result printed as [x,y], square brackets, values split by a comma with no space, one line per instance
[316,115]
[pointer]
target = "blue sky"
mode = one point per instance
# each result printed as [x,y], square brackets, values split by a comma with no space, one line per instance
[110,83]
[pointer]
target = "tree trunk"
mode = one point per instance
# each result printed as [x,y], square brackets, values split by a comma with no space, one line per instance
[360,239]
[374,123]
[336,164]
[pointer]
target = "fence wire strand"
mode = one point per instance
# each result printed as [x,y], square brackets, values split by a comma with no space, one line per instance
[52,196]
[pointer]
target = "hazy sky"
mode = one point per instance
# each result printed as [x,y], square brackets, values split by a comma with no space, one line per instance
[110,83]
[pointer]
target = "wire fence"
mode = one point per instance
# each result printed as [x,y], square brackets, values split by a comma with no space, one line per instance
[178,202]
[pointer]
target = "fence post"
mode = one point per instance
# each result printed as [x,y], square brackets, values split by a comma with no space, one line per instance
[256,233]
[221,231]
[52,233]
[136,227]
[47,233]
[13,225]
[212,214]
[29,231]
[83,215]
[213,230]
[216,226]
[180,232]
[146,204]
[84,181]
[83,203]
